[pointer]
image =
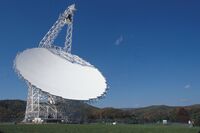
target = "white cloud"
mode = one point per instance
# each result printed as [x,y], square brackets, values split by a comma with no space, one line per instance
[136,105]
[184,100]
[119,40]
[187,86]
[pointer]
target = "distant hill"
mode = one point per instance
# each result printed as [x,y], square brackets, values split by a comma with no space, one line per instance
[12,110]
[171,113]
[79,112]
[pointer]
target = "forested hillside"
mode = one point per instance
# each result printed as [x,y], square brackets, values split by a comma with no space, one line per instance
[79,112]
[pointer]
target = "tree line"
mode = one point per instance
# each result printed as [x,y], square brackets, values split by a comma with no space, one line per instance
[77,112]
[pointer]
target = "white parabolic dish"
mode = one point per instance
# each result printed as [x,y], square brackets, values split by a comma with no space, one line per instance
[60,76]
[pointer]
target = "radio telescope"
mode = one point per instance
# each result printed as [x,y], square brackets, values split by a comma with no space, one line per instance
[52,73]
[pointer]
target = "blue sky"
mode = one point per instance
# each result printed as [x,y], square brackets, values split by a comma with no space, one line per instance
[147,50]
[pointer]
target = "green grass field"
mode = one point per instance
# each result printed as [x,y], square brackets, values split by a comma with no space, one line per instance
[95,128]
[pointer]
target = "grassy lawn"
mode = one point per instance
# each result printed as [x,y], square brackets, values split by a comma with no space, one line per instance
[95,128]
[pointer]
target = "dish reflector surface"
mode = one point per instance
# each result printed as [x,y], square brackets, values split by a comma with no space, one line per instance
[59,76]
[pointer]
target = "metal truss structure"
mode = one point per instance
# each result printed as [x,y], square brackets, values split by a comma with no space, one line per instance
[41,105]
[64,19]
